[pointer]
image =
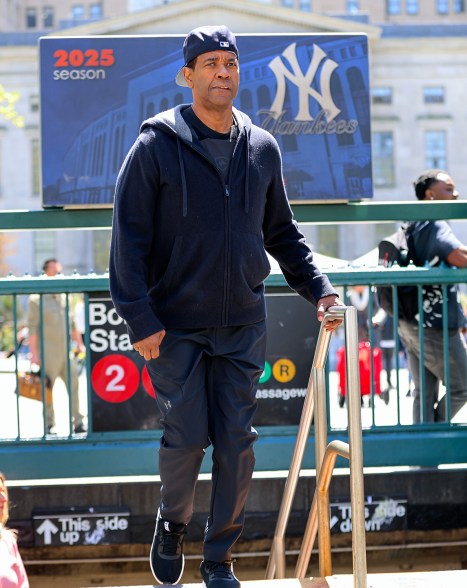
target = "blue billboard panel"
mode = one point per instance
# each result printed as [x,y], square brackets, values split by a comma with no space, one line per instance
[310,91]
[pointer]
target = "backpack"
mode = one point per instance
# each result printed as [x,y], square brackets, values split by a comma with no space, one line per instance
[398,248]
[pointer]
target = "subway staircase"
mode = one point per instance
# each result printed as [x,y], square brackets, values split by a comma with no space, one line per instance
[438,579]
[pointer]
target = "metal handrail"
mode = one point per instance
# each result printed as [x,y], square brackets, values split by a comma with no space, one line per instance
[317,388]
[320,505]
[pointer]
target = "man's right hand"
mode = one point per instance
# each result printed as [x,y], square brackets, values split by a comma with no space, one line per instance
[149,347]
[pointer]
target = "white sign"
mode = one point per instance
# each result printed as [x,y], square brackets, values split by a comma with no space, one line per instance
[381,514]
[85,528]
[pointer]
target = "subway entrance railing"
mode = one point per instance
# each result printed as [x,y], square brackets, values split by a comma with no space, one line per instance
[319,515]
[389,437]
[387,427]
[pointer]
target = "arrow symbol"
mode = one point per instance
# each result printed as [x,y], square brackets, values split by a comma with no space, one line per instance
[333,521]
[47,529]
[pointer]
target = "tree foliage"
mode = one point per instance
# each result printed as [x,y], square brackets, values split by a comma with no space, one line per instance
[8,101]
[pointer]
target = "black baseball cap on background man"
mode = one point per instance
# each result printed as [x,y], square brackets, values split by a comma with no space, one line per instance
[204,40]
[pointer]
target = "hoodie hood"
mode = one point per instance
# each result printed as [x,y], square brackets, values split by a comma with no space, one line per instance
[172,119]
[172,122]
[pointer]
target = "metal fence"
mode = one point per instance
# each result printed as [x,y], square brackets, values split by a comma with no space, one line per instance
[390,438]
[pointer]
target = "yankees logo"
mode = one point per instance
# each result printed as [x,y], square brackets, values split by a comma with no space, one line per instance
[303,82]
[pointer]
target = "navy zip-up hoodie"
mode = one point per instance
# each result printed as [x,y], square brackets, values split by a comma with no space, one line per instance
[188,249]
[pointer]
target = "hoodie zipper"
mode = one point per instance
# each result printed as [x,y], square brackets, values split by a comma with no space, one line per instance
[228,230]
[227,255]
[228,240]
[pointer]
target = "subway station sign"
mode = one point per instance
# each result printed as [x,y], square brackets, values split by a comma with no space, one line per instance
[310,91]
[81,527]
[381,514]
[123,397]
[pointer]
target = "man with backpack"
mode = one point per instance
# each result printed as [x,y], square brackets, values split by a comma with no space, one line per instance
[434,243]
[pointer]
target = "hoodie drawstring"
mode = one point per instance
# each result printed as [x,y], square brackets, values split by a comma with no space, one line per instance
[247,177]
[182,173]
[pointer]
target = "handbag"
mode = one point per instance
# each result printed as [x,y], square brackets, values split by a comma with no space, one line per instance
[30,386]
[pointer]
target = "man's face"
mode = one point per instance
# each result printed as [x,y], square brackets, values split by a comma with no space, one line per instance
[53,268]
[214,79]
[443,189]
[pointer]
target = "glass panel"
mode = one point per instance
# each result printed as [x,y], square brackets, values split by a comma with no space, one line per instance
[381,95]
[95,10]
[31,18]
[435,149]
[411,6]
[34,103]
[383,159]
[433,95]
[393,6]
[77,11]
[442,6]
[48,17]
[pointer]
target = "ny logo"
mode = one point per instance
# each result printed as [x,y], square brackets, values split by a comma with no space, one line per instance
[303,83]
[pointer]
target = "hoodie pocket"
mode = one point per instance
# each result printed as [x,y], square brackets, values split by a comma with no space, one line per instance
[250,267]
[193,277]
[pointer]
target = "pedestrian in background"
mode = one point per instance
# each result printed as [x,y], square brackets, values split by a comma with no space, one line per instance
[434,243]
[53,321]
[385,327]
[359,296]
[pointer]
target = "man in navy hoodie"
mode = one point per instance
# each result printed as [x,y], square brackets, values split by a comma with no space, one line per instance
[199,201]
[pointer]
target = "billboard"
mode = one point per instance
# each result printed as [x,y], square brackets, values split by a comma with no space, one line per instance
[123,398]
[310,91]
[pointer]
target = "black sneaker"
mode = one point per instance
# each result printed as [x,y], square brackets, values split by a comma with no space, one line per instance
[218,575]
[166,557]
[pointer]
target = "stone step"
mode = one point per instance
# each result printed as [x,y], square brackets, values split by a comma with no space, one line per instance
[286,583]
[451,579]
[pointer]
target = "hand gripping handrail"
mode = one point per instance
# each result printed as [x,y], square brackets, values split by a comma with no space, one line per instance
[317,389]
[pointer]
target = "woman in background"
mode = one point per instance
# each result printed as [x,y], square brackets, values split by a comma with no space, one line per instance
[12,572]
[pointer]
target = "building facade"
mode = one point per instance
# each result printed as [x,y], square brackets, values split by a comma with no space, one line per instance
[49,15]
[418,75]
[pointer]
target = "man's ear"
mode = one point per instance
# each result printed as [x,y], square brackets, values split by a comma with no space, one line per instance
[187,74]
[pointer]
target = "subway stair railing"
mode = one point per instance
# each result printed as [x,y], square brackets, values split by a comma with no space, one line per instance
[319,518]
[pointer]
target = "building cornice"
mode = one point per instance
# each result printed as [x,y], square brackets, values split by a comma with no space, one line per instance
[164,18]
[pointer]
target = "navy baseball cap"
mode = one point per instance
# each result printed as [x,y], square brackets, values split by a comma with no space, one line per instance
[204,40]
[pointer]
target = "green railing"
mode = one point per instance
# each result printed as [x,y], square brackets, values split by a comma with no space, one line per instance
[135,452]
[354,212]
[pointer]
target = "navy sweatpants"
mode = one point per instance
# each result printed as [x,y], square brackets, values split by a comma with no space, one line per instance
[205,382]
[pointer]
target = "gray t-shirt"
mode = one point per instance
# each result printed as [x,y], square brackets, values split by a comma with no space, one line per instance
[220,146]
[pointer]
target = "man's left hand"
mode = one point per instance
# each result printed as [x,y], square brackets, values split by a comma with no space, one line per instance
[323,305]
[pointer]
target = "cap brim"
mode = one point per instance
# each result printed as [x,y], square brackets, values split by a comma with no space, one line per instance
[180,78]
